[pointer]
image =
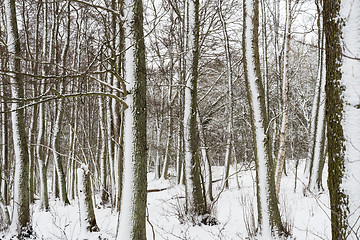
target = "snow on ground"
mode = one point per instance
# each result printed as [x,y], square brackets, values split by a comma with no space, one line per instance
[308,217]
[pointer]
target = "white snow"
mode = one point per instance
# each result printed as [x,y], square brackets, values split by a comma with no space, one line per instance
[309,216]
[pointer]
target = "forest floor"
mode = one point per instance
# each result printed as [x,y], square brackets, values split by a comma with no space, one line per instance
[306,217]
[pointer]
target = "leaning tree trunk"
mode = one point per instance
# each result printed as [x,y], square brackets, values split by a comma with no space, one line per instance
[132,223]
[341,25]
[268,212]
[21,214]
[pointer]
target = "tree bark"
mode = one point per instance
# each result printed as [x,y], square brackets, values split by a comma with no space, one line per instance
[5,171]
[316,156]
[21,214]
[285,100]
[341,25]
[87,214]
[225,182]
[132,223]
[195,202]
[268,212]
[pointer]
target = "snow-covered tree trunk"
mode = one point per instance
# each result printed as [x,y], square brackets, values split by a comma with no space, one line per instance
[206,162]
[56,151]
[341,25]
[317,144]
[164,173]
[115,105]
[158,154]
[132,223]
[40,154]
[5,171]
[103,162]
[21,214]
[59,117]
[225,182]
[71,155]
[284,99]
[110,147]
[268,212]
[87,214]
[195,204]
[179,157]
[32,131]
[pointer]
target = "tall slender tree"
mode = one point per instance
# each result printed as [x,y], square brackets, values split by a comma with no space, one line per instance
[284,99]
[229,140]
[195,202]
[316,155]
[268,212]
[21,214]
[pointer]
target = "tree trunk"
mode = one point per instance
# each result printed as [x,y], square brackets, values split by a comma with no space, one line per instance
[103,164]
[268,212]
[195,202]
[285,101]
[5,171]
[87,214]
[317,145]
[225,182]
[40,153]
[57,151]
[158,154]
[206,162]
[132,223]
[21,214]
[341,25]
[33,126]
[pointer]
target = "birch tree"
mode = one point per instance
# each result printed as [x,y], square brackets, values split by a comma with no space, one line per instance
[268,212]
[284,99]
[341,25]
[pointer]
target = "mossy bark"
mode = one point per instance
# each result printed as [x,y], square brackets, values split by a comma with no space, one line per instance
[338,147]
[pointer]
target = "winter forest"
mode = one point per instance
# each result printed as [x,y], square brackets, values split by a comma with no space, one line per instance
[186,119]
